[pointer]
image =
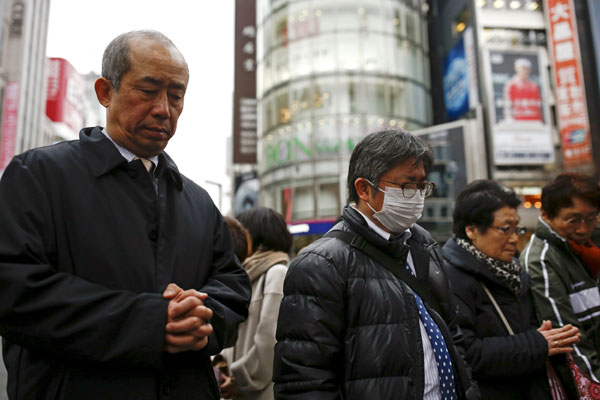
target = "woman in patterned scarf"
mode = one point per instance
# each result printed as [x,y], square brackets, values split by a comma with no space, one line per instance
[507,352]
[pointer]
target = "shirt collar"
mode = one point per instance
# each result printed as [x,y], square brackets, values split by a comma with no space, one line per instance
[103,156]
[385,235]
[128,155]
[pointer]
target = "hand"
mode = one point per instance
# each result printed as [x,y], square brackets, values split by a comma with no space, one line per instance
[187,320]
[559,339]
[229,388]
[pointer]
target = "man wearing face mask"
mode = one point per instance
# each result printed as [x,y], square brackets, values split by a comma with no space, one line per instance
[367,312]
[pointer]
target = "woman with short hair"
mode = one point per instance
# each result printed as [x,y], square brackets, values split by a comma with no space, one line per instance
[506,350]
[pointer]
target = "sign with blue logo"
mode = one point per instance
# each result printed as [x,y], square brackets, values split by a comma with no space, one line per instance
[456,81]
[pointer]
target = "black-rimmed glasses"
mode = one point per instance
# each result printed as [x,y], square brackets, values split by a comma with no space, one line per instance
[409,189]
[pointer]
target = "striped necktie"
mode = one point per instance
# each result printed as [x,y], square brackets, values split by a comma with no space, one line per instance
[440,350]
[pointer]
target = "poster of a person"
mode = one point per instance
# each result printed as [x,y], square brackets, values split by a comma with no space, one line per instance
[522,100]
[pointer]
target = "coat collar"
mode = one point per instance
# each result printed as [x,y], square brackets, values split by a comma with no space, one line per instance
[102,156]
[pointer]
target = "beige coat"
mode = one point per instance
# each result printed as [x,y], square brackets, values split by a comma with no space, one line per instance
[251,360]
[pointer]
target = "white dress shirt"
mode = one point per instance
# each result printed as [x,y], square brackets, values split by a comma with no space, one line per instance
[129,156]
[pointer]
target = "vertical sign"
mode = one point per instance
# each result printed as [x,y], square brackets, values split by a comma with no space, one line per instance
[10,112]
[244,95]
[571,107]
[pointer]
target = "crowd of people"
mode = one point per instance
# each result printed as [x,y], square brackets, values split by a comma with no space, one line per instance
[120,279]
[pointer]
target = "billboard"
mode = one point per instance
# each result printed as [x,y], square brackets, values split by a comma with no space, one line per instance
[571,107]
[10,112]
[244,94]
[460,77]
[65,94]
[519,111]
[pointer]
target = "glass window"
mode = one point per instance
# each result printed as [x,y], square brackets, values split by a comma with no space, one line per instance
[303,206]
[328,198]
[348,51]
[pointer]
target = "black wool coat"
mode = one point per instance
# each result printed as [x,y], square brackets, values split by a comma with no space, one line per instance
[504,366]
[349,329]
[87,247]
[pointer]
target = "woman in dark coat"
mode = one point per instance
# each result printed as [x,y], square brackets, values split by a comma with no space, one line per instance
[482,255]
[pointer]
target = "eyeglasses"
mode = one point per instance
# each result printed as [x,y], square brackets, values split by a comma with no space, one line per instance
[410,189]
[588,221]
[509,230]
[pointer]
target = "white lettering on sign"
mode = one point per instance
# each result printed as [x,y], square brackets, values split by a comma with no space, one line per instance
[564,51]
[559,11]
[566,76]
[562,31]
[249,31]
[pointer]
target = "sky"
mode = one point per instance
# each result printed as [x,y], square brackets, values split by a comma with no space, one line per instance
[79,31]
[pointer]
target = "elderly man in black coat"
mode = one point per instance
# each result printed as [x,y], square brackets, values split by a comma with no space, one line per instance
[118,278]
[367,312]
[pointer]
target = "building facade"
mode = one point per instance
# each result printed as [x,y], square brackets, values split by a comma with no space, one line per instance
[23,123]
[329,72]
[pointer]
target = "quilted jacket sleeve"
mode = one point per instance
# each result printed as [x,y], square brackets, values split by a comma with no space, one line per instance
[310,331]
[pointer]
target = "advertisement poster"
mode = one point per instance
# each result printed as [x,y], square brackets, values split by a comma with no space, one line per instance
[571,107]
[245,192]
[519,113]
[456,81]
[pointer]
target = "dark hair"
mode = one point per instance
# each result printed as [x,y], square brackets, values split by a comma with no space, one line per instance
[378,152]
[116,60]
[477,203]
[240,241]
[560,192]
[267,228]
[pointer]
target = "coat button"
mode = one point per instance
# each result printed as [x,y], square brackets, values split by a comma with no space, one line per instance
[132,172]
[153,234]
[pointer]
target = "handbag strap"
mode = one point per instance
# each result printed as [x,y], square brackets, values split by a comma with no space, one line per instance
[498,310]
[389,263]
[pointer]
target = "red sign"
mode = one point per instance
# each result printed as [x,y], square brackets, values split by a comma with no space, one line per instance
[64,97]
[571,107]
[10,111]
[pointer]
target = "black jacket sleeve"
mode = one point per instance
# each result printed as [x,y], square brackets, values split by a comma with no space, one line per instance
[228,290]
[59,313]
[310,328]
[499,356]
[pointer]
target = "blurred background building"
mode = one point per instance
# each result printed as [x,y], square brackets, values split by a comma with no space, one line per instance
[495,86]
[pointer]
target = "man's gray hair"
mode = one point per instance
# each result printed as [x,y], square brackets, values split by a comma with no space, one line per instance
[381,151]
[116,60]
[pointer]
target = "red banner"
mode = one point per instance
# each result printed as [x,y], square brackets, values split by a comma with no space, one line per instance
[571,107]
[64,95]
[10,111]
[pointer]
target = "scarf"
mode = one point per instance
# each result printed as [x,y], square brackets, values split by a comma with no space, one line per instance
[260,262]
[590,254]
[508,273]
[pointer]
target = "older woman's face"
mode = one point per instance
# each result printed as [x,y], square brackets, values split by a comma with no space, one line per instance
[497,241]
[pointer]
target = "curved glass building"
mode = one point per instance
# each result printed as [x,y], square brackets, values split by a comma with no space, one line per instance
[328,73]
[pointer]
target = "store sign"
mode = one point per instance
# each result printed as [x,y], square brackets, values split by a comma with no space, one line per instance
[290,149]
[571,107]
[519,112]
[65,94]
[10,111]
[244,95]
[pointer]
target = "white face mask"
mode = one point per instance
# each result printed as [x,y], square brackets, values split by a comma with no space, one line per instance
[397,212]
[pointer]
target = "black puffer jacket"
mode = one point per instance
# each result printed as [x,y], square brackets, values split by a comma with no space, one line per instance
[349,329]
[505,367]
